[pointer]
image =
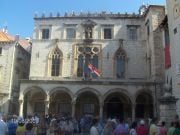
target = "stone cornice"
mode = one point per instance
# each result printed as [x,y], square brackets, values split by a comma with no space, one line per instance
[95,82]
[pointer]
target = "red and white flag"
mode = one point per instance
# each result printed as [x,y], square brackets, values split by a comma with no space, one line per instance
[94,70]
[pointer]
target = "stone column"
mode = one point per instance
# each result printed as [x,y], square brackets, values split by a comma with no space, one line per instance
[21,104]
[47,105]
[73,104]
[133,112]
[101,110]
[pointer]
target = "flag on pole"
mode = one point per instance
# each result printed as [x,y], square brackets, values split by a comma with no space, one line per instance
[94,70]
[167,50]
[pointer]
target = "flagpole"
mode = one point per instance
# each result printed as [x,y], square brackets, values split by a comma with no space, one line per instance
[83,68]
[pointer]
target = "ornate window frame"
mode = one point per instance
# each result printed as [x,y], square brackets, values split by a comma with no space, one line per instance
[50,58]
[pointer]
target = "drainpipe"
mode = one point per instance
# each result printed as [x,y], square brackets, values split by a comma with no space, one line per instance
[11,75]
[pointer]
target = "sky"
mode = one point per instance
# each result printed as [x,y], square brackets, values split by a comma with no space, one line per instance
[18,15]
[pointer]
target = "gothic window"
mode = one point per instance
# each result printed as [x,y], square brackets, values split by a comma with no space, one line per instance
[87,55]
[45,33]
[56,62]
[120,63]
[132,32]
[70,33]
[107,33]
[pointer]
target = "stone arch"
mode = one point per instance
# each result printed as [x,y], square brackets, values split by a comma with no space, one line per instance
[87,102]
[144,104]
[56,48]
[33,88]
[119,90]
[88,89]
[117,103]
[34,100]
[60,101]
[147,91]
[61,89]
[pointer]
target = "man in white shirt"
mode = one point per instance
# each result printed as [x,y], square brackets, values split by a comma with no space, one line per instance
[3,126]
[93,130]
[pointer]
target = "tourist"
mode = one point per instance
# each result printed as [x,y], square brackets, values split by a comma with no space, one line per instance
[177,128]
[171,129]
[29,127]
[42,127]
[163,129]
[153,128]
[108,128]
[53,129]
[159,124]
[94,130]
[142,129]
[133,129]
[12,125]
[21,128]
[3,126]
[121,129]
[68,127]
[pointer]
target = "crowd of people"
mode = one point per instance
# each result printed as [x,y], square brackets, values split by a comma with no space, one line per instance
[86,125]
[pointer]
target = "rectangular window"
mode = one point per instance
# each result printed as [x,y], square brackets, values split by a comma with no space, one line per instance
[39,107]
[107,33]
[89,108]
[132,33]
[70,33]
[64,108]
[0,50]
[45,33]
[175,30]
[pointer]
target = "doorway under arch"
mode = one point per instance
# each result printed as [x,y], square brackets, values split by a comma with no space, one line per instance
[60,103]
[144,105]
[117,105]
[87,103]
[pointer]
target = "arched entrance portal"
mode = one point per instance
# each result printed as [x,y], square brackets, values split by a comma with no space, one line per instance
[144,105]
[117,105]
[60,103]
[87,103]
[34,102]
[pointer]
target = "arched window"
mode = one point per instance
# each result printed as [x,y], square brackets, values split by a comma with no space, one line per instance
[120,63]
[56,62]
[87,55]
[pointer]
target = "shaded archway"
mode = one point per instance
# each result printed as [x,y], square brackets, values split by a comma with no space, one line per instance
[34,101]
[117,105]
[144,105]
[87,103]
[60,103]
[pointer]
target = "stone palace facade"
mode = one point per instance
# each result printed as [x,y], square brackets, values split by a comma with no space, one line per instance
[126,49]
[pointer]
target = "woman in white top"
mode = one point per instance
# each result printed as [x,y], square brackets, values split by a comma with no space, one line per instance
[133,129]
[94,130]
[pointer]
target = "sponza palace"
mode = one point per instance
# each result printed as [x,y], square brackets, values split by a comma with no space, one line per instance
[126,49]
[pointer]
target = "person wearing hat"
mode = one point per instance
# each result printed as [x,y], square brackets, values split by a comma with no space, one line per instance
[142,129]
[21,127]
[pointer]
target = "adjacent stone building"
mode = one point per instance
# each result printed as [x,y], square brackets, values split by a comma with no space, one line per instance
[14,65]
[173,73]
[126,49]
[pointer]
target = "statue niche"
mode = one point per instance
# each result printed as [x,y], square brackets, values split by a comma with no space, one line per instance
[88,32]
[88,29]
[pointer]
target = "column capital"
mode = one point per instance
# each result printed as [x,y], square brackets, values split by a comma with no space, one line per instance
[21,101]
[73,102]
